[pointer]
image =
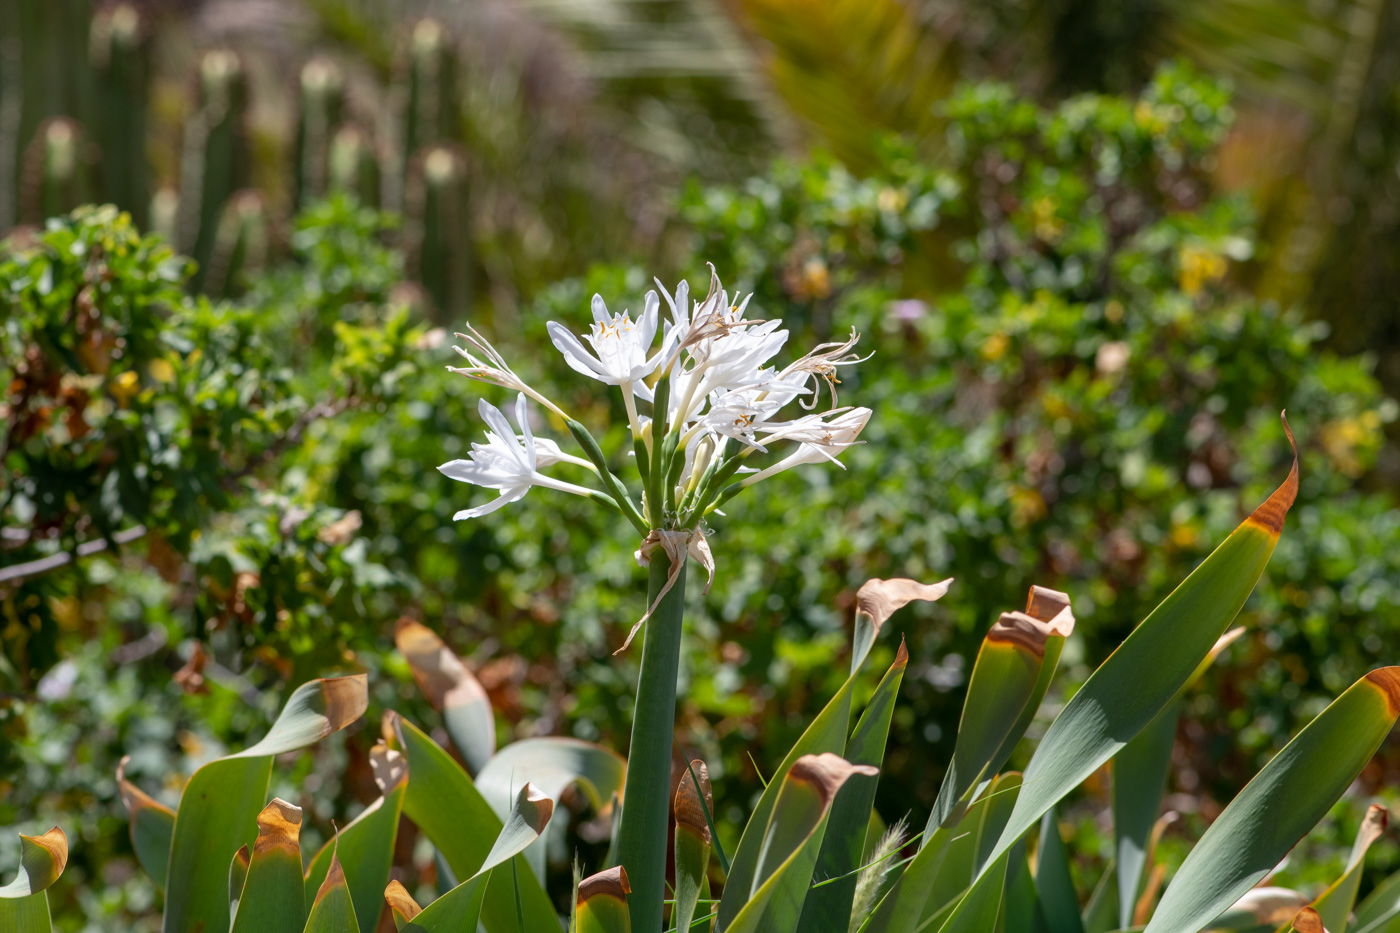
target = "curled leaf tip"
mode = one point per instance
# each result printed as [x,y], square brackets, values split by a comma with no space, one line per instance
[1307,921]
[55,843]
[828,772]
[690,812]
[901,657]
[610,883]
[880,598]
[401,902]
[1051,606]
[1017,628]
[346,698]
[542,804]
[279,826]
[1271,513]
[1387,680]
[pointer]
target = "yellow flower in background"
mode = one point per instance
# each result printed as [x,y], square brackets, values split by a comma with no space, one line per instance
[1048,227]
[1348,441]
[1199,268]
[124,387]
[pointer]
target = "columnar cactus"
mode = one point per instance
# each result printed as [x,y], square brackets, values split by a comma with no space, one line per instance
[121,66]
[322,101]
[437,229]
[430,98]
[241,245]
[214,164]
[354,165]
[57,172]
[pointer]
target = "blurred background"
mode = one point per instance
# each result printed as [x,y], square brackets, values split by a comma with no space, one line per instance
[1096,247]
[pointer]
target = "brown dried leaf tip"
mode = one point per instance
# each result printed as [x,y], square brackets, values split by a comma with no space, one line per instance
[346,698]
[689,809]
[828,772]
[440,674]
[279,826]
[1387,680]
[1047,616]
[610,883]
[1308,921]
[880,598]
[401,902]
[1271,514]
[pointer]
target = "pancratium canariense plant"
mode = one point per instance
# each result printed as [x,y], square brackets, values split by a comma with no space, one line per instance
[713,404]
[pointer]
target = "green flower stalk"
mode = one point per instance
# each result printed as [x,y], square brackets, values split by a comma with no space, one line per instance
[701,403]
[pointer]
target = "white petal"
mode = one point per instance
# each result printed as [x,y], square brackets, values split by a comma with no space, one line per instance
[506,497]
[522,418]
[574,353]
[600,310]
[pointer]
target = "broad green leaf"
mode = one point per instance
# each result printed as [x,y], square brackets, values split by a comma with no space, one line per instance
[875,601]
[1283,802]
[1022,907]
[791,842]
[332,911]
[1380,911]
[237,876]
[460,908]
[220,803]
[973,837]
[272,900]
[552,764]
[692,843]
[24,902]
[979,909]
[1334,905]
[367,842]
[1009,678]
[1101,911]
[1139,778]
[445,804]
[1153,663]
[601,903]
[152,826]
[1059,905]
[451,689]
[828,906]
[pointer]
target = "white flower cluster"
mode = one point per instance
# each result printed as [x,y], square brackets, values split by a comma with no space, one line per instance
[708,381]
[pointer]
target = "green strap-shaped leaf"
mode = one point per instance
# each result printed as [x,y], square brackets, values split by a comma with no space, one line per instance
[1009,679]
[875,601]
[973,837]
[460,908]
[1101,910]
[1283,802]
[979,910]
[828,906]
[451,689]
[24,902]
[552,764]
[1153,663]
[272,900]
[220,804]
[1059,905]
[367,841]
[692,846]
[601,903]
[237,877]
[1380,911]
[1021,910]
[791,842]
[1139,778]
[152,826]
[445,804]
[332,911]
[1334,905]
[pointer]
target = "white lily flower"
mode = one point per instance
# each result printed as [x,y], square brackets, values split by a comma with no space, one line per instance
[822,441]
[507,461]
[821,362]
[621,346]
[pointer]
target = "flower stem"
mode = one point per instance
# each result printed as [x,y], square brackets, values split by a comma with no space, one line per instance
[615,487]
[646,803]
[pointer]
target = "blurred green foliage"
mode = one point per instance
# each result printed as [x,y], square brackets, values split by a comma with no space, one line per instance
[1070,388]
